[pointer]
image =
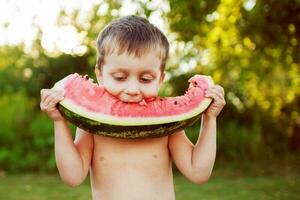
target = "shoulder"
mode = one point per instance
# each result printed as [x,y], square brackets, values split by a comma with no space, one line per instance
[83,135]
[81,131]
[177,138]
[177,135]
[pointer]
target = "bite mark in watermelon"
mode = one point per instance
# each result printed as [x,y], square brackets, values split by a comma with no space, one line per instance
[90,107]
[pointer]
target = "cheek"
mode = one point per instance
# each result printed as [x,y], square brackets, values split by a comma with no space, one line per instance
[111,87]
[151,90]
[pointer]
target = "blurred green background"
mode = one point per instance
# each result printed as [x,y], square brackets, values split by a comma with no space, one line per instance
[250,47]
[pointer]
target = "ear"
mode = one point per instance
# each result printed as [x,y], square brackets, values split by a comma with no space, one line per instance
[98,75]
[162,77]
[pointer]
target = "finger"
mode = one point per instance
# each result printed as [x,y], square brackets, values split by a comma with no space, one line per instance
[42,106]
[213,96]
[53,99]
[217,100]
[216,92]
[44,94]
[50,107]
[43,91]
[217,88]
[220,88]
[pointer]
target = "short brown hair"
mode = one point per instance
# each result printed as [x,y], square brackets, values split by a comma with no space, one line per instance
[134,35]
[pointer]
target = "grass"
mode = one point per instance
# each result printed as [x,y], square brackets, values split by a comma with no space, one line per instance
[237,188]
[46,187]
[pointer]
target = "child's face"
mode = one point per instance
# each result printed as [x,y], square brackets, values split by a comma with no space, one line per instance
[130,78]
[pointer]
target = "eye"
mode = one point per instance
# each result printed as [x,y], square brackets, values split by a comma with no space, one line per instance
[119,76]
[146,78]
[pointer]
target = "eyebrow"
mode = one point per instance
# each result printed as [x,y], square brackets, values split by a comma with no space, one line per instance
[149,71]
[118,70]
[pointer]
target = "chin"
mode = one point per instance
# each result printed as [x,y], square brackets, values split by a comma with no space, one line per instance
[131,100]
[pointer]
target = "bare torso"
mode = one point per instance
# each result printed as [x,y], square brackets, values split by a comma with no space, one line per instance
[131,169]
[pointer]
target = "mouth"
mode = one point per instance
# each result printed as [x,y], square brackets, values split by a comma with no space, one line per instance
[127,99]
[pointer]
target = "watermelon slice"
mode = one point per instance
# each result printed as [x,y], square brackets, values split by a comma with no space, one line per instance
[90,107]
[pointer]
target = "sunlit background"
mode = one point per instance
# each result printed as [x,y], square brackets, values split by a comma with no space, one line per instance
[20,21]
[250,47]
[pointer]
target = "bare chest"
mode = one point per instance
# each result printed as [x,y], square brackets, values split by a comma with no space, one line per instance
[130,153]
[131,168]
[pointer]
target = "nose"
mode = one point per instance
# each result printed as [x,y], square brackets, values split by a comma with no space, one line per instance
[132,89]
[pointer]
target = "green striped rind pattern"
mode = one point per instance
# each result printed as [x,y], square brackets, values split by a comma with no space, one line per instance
[129,132]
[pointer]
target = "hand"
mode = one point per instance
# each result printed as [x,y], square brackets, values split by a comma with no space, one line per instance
[49,99]
[217,94]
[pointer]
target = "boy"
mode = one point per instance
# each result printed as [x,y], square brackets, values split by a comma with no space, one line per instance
[131,58]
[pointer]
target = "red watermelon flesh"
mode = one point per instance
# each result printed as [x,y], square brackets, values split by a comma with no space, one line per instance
[93,101]
[95,98]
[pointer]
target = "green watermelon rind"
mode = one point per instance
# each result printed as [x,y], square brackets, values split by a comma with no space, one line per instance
[128,132]
[129,127]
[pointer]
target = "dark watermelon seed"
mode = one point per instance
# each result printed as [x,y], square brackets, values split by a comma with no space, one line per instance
[175,102]
[86,77]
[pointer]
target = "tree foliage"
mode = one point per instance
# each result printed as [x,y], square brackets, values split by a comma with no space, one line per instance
[254,53]
[249,47]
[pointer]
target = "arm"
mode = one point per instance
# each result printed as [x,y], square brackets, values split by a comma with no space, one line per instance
[72,158]
[196,161]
